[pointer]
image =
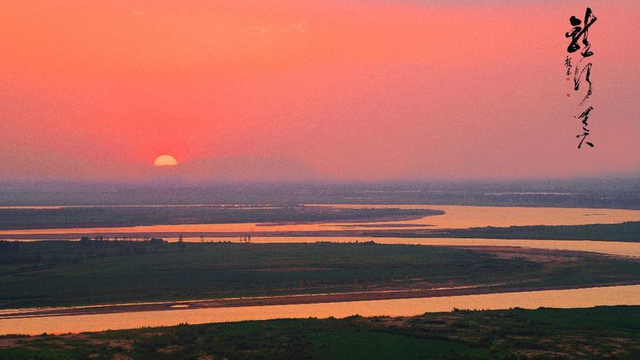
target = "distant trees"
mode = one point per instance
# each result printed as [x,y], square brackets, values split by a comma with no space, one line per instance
[122,246]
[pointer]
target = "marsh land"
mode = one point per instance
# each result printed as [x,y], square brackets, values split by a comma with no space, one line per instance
[59,273]
[128,216]
[304,256]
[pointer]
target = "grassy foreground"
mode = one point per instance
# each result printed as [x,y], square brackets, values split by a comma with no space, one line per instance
[602,332]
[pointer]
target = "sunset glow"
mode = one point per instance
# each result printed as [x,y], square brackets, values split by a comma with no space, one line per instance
[165,160]
[305,90]
[170,163]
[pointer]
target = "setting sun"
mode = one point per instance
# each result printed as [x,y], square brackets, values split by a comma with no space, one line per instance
[352,173]
[165,160]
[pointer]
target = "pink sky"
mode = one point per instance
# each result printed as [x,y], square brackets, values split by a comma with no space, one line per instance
[294,90]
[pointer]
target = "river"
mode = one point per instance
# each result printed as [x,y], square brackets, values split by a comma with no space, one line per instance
[573,298]
[455,217]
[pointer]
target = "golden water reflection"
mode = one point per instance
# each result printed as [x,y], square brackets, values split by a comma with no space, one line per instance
[455,217]
[574,298]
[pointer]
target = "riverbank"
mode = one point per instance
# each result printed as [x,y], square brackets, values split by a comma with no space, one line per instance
[386,294]
[553,333]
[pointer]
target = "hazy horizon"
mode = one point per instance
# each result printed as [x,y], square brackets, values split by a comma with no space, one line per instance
[621,193]
[296,91]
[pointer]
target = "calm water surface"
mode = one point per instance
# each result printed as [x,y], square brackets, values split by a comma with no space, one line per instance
[574,298]
[455,217]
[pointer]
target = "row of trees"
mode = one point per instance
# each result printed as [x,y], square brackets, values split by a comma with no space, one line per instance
[100,238]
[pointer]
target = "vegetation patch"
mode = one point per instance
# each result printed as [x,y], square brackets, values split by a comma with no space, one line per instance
[601,332]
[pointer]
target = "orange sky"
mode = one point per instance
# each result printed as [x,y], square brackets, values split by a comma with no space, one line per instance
[295,90]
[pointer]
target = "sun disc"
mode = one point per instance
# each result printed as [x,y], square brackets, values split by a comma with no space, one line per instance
[165,160]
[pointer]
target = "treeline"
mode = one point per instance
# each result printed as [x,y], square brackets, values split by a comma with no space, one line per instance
[100,239]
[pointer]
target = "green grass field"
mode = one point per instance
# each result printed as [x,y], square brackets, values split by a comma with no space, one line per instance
[58,273]
[602,332]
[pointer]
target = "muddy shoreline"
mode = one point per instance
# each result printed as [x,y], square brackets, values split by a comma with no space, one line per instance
[387,294]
